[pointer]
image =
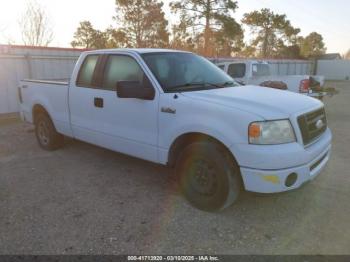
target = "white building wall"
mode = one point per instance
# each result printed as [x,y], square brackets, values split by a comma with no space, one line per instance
[334,69]
[18,62]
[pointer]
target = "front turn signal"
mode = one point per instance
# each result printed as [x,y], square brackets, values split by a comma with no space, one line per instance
[254,130]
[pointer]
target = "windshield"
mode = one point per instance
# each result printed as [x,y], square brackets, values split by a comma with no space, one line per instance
[186,72]
[261,70]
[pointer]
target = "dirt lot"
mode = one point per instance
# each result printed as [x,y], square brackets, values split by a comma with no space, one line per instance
[87,200]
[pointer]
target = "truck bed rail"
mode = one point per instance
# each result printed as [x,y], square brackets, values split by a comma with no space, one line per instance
[63,82]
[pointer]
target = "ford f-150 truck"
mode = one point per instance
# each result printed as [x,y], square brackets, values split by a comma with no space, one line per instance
[252,72]
[178,109]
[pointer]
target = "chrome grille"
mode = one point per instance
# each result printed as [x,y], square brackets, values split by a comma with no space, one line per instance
[312,125]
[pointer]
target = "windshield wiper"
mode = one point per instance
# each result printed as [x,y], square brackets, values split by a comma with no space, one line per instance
[228,83]
[191,86]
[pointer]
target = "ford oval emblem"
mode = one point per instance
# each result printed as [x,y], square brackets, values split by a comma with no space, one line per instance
[319,124]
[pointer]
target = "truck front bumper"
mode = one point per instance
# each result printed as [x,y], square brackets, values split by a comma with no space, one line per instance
[278,179]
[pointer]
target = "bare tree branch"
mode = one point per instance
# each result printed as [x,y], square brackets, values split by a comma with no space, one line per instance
[35,26]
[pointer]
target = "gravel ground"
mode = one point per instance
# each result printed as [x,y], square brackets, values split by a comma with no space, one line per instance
[86,200]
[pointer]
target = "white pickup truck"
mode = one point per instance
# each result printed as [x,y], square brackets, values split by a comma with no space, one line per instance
[178,109]
[252,72]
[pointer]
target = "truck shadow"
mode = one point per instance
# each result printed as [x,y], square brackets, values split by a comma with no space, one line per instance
[86,192]
[162,180]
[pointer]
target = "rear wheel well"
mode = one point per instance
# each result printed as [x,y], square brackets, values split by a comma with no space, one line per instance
[45,131]
[186,139]
[38,109]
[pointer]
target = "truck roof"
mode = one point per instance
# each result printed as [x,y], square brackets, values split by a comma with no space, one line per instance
[137,50]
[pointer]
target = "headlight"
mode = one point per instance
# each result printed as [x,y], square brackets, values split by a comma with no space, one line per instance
[271,132]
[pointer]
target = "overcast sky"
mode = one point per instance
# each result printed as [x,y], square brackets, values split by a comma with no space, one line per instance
[330,18]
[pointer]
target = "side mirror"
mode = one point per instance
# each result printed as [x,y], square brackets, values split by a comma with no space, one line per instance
[134,89]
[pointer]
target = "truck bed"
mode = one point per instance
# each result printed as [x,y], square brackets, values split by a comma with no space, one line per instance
[53,96]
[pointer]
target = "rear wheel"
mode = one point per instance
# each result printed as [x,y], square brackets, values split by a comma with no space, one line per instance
[209,177]
[46,134]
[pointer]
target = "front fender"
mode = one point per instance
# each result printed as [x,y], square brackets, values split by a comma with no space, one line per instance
[227,125]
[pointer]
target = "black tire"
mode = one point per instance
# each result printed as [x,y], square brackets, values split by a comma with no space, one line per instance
[46,133]
[209,177]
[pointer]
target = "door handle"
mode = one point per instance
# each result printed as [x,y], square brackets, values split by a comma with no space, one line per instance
[98,102]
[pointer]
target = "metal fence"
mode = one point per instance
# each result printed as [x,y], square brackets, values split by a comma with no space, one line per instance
[291,67]
[334,69]
[20,62]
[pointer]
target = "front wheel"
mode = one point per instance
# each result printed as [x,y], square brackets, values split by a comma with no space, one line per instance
[46,134]
[209,177]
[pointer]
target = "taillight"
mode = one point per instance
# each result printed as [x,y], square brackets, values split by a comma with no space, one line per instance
[304,86]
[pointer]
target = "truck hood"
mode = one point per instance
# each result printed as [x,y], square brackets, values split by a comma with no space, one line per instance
[265,102]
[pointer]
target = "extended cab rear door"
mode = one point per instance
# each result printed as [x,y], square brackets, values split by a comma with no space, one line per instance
[98,116]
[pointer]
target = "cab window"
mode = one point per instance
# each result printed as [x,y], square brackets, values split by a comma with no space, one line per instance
[237,70]
[121,68]
[87,70]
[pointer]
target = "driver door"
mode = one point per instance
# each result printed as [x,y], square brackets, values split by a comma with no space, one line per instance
[126,125]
